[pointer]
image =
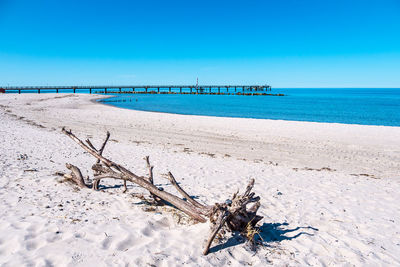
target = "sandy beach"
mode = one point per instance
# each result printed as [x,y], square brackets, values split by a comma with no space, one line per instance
[329,192]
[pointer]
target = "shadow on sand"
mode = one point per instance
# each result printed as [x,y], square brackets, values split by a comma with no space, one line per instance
[269,232]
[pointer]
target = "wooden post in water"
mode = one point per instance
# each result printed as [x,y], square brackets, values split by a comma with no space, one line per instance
[120,90]
[180,89]
[158,89]
[105,90]
[57,90]
[19,91]
[219,90]
[38,91]
[74,90]
[169,90]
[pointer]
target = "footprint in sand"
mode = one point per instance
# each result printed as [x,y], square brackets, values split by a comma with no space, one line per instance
[44,262]
[30,245]
[106,242]
[29,236]
[125,244]
[53,237]
[164,223]
[147,231]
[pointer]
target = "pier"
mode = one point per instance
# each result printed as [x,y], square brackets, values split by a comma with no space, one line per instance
[145,89]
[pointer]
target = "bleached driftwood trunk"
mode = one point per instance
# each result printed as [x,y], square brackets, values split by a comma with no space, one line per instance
[232,215]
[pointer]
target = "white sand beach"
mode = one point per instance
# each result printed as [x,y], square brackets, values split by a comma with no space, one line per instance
[329,192]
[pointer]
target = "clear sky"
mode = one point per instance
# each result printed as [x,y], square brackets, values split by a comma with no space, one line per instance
[296,43]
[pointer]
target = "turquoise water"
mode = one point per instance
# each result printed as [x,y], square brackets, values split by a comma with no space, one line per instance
[354,106]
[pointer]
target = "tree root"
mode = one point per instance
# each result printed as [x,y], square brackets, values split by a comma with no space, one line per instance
[232,215]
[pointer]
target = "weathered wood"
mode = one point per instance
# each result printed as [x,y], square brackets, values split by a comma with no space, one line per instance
[150,168]
[76,176]
[218,225]
[96,183]
[204,209]
[233,213]
[131,177]
[104,145]
[150,178]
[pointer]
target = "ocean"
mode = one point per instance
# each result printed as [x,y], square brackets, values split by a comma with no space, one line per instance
[367,106]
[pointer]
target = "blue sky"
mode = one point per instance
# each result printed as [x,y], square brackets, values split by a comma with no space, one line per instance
[307,43]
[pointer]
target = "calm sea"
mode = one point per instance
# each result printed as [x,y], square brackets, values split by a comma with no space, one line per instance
[377,106]
[355,106]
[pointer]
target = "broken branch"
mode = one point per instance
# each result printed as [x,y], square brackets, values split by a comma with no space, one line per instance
[233,213]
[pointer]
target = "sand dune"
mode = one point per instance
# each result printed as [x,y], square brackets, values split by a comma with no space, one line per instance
[329,191]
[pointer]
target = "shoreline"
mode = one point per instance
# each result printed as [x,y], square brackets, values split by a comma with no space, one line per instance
[293,143]
[97,100]
[329,193]
[115,96]
[211,116]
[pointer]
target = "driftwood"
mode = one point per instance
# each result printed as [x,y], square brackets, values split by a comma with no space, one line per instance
[232,215]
